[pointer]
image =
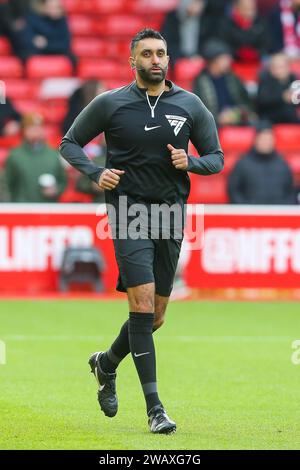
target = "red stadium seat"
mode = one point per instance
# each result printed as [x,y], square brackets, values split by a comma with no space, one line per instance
[120,25]
[110,7]
[48,66]
[93,47]
[188,69]
[230,160]
[287,137]
[295,67]
[246,72]
[186,84]
[3,156]
[164,5]
[52,130]
[121,49]
[112,84]
[153,6]
[79,6]
[5,47]
[54,141]
[23,89]
[82,25]
[70,195]
[236,139]
[11,67]
[9,142]
[293,160]
[208,190]
[25,106]
[101,7]
[54,112]
[102,69]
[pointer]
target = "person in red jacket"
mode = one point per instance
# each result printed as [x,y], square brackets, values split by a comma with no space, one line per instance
[245,32]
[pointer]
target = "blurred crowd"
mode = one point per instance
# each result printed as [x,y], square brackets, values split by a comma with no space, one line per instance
[223,33]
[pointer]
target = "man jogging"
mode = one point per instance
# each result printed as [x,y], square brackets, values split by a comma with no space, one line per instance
[147,126]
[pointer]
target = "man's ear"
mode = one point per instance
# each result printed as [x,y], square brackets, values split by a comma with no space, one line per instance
[132,62]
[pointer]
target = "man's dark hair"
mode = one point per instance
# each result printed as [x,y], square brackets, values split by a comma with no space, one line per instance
[146,34]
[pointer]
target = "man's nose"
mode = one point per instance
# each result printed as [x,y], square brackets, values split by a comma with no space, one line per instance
[155,59]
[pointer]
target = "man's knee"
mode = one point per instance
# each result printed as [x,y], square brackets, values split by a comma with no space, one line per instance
[141,298]
[142,305]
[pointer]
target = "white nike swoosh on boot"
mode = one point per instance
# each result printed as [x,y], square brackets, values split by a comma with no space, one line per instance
[141,354]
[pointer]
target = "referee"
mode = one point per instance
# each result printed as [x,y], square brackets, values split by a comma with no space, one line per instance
[147,126]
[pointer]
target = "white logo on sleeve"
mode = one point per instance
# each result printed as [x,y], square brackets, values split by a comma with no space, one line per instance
[176,122]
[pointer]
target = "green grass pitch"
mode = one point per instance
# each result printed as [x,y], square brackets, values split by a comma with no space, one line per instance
[225,376]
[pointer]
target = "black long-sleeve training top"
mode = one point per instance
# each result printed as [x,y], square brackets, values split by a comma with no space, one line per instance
[137,130]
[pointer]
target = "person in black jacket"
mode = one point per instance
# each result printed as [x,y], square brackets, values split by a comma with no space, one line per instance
[245,32]
[275,92]
[19,8]
[81,97]
[262,176]
[147,126]
[187,28]
[46,31]
[222,92]
[8,27]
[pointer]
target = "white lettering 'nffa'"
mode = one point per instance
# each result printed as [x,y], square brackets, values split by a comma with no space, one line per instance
[243,250]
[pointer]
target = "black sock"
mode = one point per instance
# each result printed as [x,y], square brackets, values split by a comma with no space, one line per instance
[143,353]
[118,350]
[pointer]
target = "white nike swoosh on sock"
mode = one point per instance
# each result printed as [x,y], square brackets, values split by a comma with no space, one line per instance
[141,354]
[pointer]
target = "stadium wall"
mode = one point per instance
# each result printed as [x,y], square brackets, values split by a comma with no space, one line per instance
[238,246]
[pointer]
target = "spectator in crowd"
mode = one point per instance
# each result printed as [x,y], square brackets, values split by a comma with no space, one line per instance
[284,23]
[264,6]
[80,99]
[218,7]
[245,32]
[9,118]
[19,8]
[46,30]
[187,28]
[97,153]
[220,89]
[33,171]
[8,27]
[262,176]
[275,93]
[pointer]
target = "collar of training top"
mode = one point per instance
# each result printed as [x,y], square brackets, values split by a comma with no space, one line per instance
[142,91]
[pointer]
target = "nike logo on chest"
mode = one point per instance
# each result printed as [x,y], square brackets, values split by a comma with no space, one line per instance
[146,128]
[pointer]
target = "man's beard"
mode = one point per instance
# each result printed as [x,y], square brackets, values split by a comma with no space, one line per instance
[153,78]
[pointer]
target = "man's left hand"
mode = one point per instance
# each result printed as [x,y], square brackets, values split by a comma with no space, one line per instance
[179,158]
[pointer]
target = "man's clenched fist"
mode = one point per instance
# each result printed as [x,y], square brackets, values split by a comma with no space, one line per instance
[109,179]
[179,157]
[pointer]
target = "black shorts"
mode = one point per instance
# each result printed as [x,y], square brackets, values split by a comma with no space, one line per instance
[147,260]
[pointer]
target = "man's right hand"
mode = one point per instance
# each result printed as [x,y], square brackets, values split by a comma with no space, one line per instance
[110,178]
